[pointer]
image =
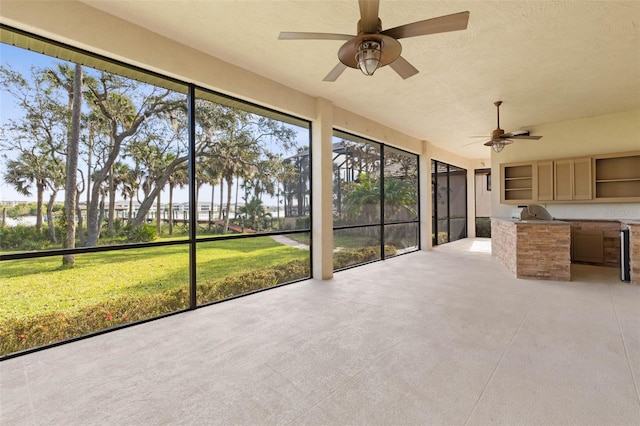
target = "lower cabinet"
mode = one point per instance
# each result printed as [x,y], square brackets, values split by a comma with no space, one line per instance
[587,246]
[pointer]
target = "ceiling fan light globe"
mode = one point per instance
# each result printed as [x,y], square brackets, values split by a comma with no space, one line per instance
[369,56]
[498,146]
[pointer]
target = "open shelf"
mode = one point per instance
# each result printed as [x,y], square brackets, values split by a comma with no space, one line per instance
[517,182]
[618,178]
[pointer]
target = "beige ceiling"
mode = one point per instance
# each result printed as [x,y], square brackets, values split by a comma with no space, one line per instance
[548,61]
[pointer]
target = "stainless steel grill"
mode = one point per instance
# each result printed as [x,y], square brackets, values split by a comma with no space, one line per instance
[531,212]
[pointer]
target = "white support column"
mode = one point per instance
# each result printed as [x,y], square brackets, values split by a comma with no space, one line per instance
[322,190]
[471,201]
[425,195]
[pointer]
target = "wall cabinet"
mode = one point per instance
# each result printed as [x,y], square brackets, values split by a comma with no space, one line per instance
[602,178]
[545,180]
[617,177]
[572,179]
[518,182]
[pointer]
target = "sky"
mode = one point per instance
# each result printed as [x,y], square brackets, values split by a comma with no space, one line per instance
[22,60]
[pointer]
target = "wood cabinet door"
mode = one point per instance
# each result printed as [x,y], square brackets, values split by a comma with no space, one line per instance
[563,188]
[587,246]
[545,180]
[582,181]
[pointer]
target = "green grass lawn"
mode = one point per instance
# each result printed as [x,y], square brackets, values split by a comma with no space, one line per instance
[344,241]
[37,286]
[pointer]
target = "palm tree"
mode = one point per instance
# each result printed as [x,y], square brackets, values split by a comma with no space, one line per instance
[254,210]
[400,199]
[362,200]
[180,178]
[24,172]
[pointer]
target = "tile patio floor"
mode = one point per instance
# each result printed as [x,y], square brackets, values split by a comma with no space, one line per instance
[447,337]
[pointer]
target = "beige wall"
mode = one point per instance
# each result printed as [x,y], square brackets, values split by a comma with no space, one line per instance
[610,133]
[483,197]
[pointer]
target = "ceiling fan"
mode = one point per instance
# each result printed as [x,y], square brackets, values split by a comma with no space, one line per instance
[499,138]
[373,48]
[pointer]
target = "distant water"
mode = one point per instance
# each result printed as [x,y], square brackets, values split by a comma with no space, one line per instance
[24,220]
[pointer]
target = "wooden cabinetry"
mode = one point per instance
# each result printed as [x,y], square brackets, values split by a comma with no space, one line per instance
[563,180]
[603,178]
[545,180]
[518,182]
[582,179]
[617,177]
[587,246]
[572,179]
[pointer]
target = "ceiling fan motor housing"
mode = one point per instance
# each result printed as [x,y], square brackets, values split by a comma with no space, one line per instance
[391,49]
[361,32]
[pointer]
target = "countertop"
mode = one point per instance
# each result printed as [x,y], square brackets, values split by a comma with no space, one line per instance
[566,221]
[531,222]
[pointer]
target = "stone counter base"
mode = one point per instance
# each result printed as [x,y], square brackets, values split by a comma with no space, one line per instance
[533,250]
[634,252]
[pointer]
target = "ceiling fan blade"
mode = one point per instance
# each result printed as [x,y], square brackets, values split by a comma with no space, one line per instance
[442,24]
[335,72]
[313,36]
[473,143]
[534,138]
[516,133]
[369,15]
[403,68]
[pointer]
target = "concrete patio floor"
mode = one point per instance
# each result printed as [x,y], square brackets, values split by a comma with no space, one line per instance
[447,337]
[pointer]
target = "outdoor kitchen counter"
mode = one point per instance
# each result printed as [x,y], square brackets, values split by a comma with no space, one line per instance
[533,249]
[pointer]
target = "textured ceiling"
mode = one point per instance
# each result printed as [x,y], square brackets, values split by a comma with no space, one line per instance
[547,60]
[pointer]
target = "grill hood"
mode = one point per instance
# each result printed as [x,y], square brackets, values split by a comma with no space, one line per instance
[531,212]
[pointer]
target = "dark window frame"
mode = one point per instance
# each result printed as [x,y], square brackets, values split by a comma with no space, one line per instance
[381,217]
[38,44]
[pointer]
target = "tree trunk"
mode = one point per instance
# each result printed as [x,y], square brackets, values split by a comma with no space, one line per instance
[100,215]
[50,222]
[235,205]
[213,186]
[80,227]
[158,214]
[71,185]
[88,184]
[93,216]
[112,203]
[170,219]
[40,201]
[228,207]
[221,199]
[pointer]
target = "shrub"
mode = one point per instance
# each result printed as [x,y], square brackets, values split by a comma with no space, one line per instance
[303,222]
[483,227]
[143,233]
[21,237]
[25,333]
[233,285]
[18,334]
[343,259]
